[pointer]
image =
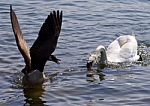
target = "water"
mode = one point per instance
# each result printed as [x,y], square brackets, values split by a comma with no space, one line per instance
[86,24]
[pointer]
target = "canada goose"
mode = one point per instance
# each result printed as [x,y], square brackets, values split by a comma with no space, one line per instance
[41,51]
[123,49]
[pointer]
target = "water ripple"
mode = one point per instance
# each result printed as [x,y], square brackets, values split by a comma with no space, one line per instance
[86,24]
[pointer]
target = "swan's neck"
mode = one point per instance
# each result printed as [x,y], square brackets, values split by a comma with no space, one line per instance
[102,56]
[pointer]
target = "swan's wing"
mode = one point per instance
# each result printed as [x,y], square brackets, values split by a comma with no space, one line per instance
[114,47]
[21,43]
[113,51]
[123,49]
[128,51]
[46,42]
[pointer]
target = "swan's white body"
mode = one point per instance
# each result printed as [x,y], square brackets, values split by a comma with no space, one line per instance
[123,49]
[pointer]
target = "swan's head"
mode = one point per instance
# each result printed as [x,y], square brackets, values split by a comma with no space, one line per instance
[98,57]
[91,61]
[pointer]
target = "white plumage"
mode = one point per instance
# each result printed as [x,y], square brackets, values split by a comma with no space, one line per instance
[123,49]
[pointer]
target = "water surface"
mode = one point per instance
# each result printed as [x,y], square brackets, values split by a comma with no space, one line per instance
[86,24]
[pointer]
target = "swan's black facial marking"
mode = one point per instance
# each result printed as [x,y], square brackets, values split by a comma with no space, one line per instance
[140,59]
[89,65]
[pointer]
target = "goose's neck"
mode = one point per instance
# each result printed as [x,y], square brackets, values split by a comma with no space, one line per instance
[103,56]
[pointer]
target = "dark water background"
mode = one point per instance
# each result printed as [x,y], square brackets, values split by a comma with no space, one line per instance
[86,24]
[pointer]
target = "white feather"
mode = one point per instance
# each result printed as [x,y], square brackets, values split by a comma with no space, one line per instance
[123,49]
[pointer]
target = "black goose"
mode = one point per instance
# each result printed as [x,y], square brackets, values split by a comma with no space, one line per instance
[41,51]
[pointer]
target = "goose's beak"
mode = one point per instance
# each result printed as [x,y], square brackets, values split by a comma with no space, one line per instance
[89,65]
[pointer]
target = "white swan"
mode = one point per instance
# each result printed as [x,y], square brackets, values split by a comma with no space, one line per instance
[123,49]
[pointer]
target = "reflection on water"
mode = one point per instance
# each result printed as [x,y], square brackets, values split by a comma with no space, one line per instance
[34,95]
[91,75]
[86,24]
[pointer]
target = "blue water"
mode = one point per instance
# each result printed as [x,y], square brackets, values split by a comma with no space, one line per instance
[86,24]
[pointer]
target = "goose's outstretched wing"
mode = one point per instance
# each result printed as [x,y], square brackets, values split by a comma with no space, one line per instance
[21,43]
[46,42]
